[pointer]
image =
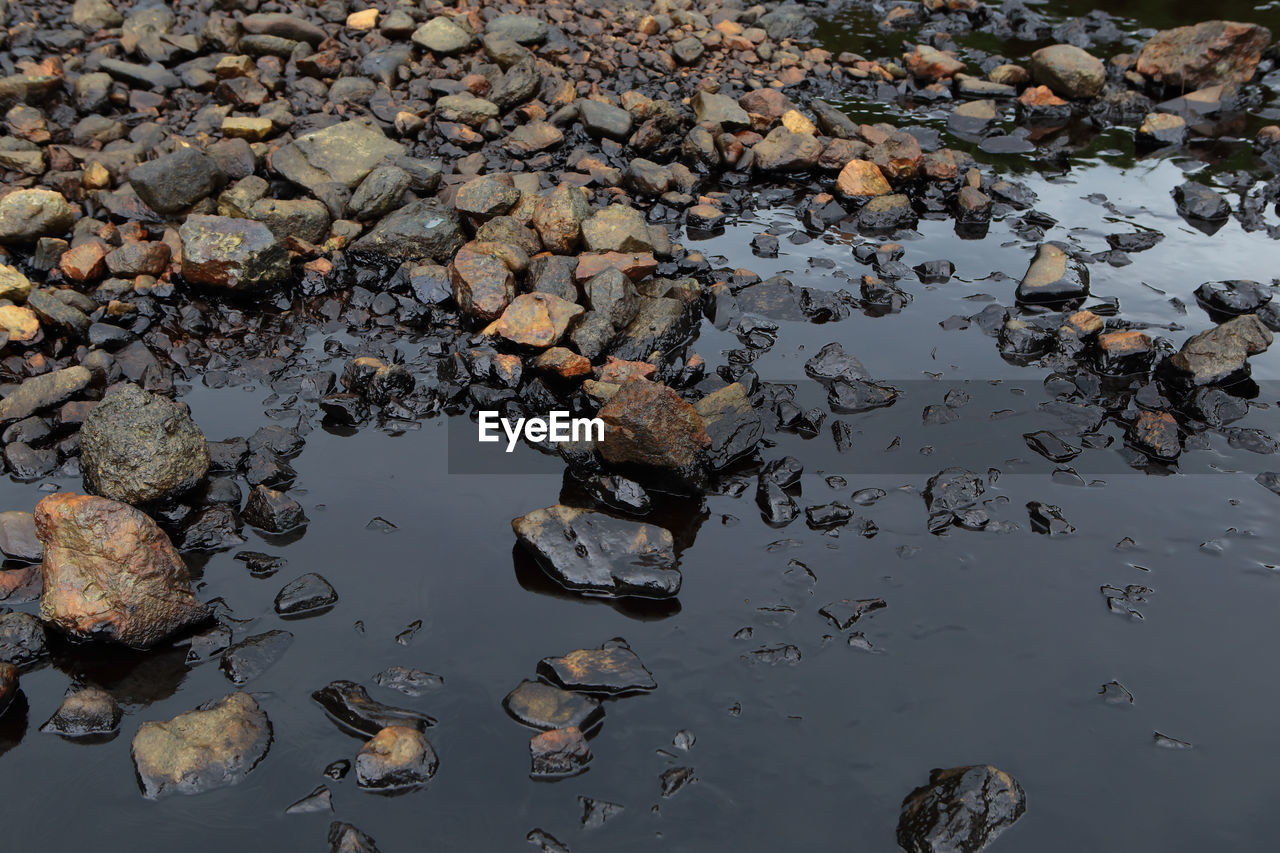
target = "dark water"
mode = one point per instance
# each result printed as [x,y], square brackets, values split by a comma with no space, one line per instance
[992,649]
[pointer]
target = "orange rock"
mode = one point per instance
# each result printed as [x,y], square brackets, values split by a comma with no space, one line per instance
[1040,96]
[635,265]
[861,179]
[85,262]
[19,322]
[564,363]
[535,320]
[618,371]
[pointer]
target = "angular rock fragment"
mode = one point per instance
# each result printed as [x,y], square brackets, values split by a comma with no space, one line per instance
[648,424]
[1053,277]
[88,712]
[237,254]
[254,655]
[1187,58]
[307,594]
[962,809]
[398,757]
[273,511]
[111,573]
[612,670]
[558,753]
[1220,355]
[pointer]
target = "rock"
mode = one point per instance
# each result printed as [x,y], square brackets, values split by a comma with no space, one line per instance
[42,392]
[788,21]
[8,686]
[1069,71]
[345,838]
[861,179]
[18,540]
[722,110]
[535,320]
[111,573]
[1210,52]
[661,325]
[379,193]
[687,51]
[961,810]
[214,746]
[138,447]
[886,213]
[1233,297]
[542,706]
[303,219]
[612,294]
[1220,355]
[898,157]
[343,153]
[397,757]
[1124,352]
[1156,435]
[1053,277]
[613,670]
[349,705]
[483,286]
[54,311]
[283,26]
[601,119]
[19,323]
[533,137]
[591,552]
[441,35]
[14,286]
[94,15]
[617,228]
[953,489]
[558,218]
[650,425]
[734,427]
[273,511]
[254,655]
[174,182]
[22,639]
[27,215]
[929,63]
[1198,202]
[785,151]
[558,753]
[237,254]
[421,230]
[1161,129]
[521,29]
[306,594]
[87,712]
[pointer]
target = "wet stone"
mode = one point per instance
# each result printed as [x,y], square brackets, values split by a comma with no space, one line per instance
[1047,519]
[138,447]
[842,614]
[542,706]
[591,552]
[1187,58]
[558,753]
[306,594]
[111,573]
[1069,71]
[345,838]
[613,670]
[273,511]
[1220,355]
[27,215]
[1053,277]
[1200,203]
[1156,435]
[409,681]
[22,639]
[962,809]
[236,254]
[214,746]
[396,758]
[8,686]
[351,707]
[318,801]
[87,712]
[420,230]
[254,655]
[18,539]
[174,182]
[1233,297]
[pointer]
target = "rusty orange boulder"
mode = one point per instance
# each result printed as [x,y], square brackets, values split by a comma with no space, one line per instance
[111,573]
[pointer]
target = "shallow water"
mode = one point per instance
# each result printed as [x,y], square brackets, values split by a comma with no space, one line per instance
[992,649]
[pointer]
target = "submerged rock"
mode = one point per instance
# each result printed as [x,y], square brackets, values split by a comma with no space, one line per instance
[558,753]
[961,810]
[612,670]
[88,712]
[214,746]
[350,706]
[8,686]
[542,706]
[305,594]
[22,639]
[273,511]
[397,757]
[345,838]
[111,573]
[137,447]
[254,655]
[592,552]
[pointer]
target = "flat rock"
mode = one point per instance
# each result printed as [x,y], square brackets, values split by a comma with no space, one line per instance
[961,810]
[27,215]
[612,670]
[306,594]
[254,655]
[558,753]
[350,706]
[88,712]
[42,392]
[542,706]
[592,552]
[214,746]
[344,153]
[1053,277]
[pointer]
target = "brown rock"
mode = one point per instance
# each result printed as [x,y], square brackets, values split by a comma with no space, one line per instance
[649,424]
[861,179]
[85,262]
[558,218]
[535,320]
[19,322]
[785,151]
[1210,52]
[559,753]
[1156,435]
[899,157]
[617,228]
[483,286]
[397,757]
[8,685]
[929,63]
[214,746]
[1069,71]
[111,573]
[564,363]
[1040,97]
[635,265]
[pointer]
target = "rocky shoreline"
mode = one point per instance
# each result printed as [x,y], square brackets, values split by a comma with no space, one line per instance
[193,190]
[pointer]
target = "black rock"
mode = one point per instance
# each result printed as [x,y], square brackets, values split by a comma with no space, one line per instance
[832,363]
[542,706]
[273,511]
[961,810]
[351,708]
[1233,297]
[87,712]
[345,838]
[305,594]
[176,181]
[252,656]
[613,670]
[1198,202]
[953,489]
[776,506]
[22,639]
